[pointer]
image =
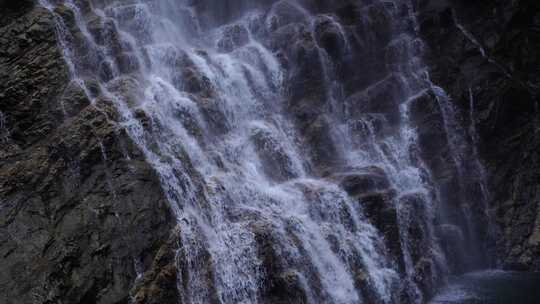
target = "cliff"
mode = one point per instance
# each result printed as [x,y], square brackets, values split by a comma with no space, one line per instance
[81,210]
[301,155]
[485,55]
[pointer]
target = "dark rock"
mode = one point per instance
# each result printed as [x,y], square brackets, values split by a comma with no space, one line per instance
[306,82]
[427,116]
[213,113]
[453,245]
[414,204]
[362,181]
[212,13]
[128,63]
[437,153]
[73,100]
[14,6]
[329,36]
[25,65]
[13,9]
[498,72]
[276,163]
[380,208]
[84,218]
[426,274]
[371,188]
[67,15]
[287,288]
[158,285]
[284,13]
[195,83]
[324,151]
[128,17]
[77,212]
[381,98]
[144,119]
[282,284]
[413,208]
[128,88]
[233,37]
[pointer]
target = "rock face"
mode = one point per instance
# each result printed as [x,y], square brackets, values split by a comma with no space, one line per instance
[294,154]
[82,214]
[485,55]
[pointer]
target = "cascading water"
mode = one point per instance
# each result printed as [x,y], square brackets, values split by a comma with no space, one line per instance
[288,182]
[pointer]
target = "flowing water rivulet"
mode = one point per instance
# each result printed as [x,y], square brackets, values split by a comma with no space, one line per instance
[290,140]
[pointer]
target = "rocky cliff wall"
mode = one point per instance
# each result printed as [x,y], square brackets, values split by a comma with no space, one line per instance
[83,218]
[485,55]
[82,215]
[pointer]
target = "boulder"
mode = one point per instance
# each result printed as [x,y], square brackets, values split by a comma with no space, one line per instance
[413,208]
[427,116]
[382,97]
[275,160]
[195,82]
[282,282]
[284,13]
[380,208]
[233,37]
[364,180]
[287,287]
[213,114]
[324,153]
[67,15]
[128,62]
[329,36]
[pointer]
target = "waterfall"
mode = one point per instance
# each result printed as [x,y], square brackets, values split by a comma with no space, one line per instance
[292,174]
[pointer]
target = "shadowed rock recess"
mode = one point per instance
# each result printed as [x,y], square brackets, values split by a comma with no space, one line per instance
[265,151]
[485,54]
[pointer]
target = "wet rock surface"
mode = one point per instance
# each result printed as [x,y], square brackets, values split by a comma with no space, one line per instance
[158,284]
[81,211]
[358,212]
[485,55]
[86,218]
